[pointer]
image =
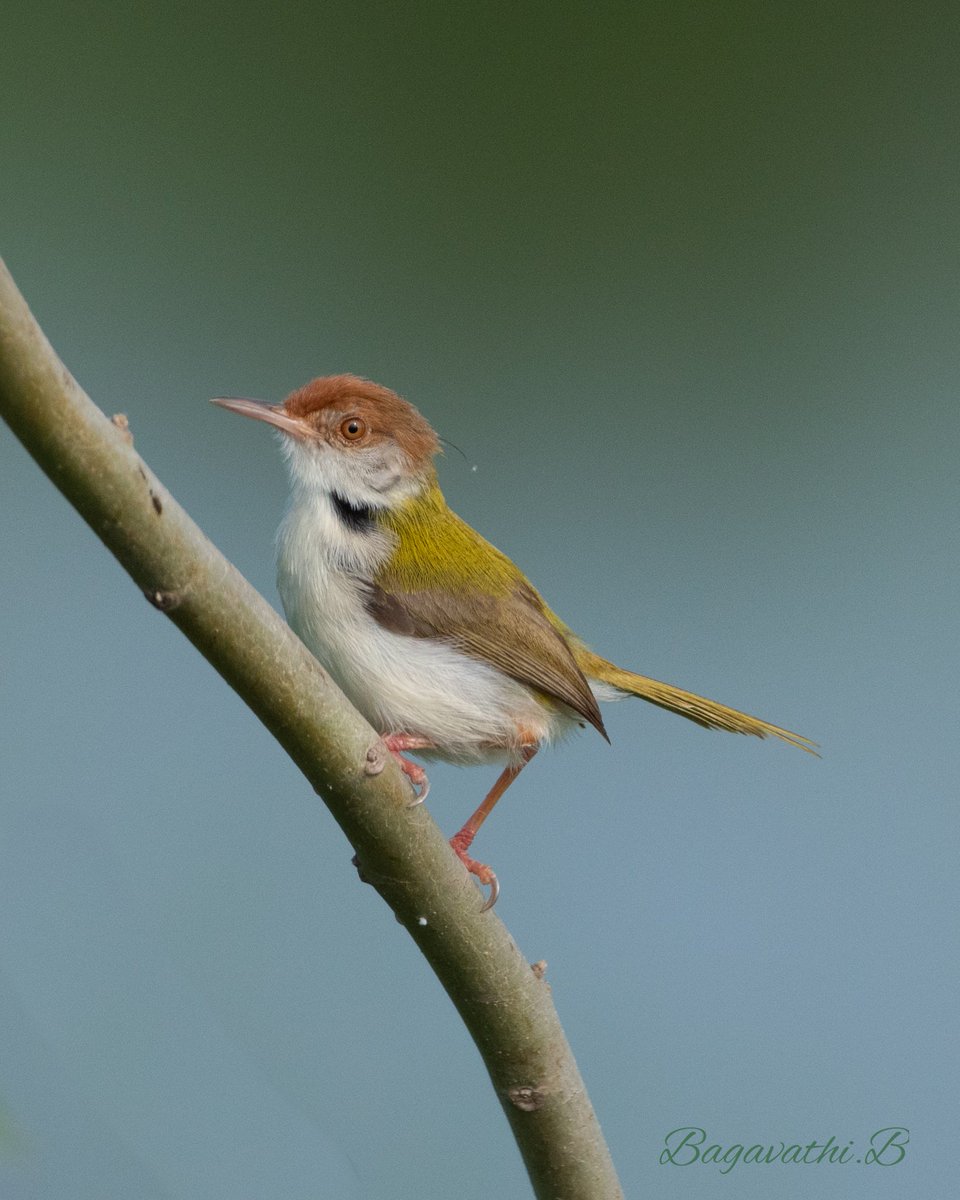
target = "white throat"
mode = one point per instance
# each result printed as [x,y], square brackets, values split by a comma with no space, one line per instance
[379,479]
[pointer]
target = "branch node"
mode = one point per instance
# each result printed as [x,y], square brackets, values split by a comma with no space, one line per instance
[376,758]
[355,861]
[164,601]
[527,1097]
[121,422]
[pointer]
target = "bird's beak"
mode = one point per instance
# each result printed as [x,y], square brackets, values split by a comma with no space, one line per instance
[260,410]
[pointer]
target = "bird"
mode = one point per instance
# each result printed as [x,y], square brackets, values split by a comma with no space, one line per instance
[434,635]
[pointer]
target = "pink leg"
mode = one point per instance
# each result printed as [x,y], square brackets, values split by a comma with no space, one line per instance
[460,842]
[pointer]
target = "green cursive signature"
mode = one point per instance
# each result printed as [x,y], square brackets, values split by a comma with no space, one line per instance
[686,1145]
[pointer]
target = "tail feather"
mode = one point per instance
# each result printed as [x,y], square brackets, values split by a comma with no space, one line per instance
[707,713]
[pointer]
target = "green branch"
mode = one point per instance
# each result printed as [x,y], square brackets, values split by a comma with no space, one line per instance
[399,849]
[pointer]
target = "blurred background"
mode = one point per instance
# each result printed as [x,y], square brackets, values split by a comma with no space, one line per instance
[681,281]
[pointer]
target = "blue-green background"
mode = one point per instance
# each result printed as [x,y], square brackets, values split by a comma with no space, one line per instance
[681,280]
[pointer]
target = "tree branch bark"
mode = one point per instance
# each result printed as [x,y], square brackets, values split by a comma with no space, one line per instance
[400,850]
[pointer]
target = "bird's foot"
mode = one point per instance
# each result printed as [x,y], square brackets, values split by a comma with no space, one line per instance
[395,742]
[417,776]
[460,844]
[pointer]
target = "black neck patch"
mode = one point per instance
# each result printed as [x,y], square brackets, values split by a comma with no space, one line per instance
[358,517]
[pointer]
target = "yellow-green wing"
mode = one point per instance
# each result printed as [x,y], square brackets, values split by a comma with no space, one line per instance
[446,582]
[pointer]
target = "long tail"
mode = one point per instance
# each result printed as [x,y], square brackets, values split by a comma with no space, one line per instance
[695,708]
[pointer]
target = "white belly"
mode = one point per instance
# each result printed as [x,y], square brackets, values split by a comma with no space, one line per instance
[469,710]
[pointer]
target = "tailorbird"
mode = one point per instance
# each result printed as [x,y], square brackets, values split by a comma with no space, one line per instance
[437,638]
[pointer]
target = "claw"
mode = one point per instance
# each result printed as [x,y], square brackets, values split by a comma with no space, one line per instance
[417,776]
[460,844]
[413,771]
[376,760]
[420,796]
[491,900]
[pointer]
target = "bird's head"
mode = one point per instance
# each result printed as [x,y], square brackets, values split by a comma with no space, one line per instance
[351,437]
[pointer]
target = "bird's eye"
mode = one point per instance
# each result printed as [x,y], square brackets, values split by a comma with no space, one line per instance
[353,429]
